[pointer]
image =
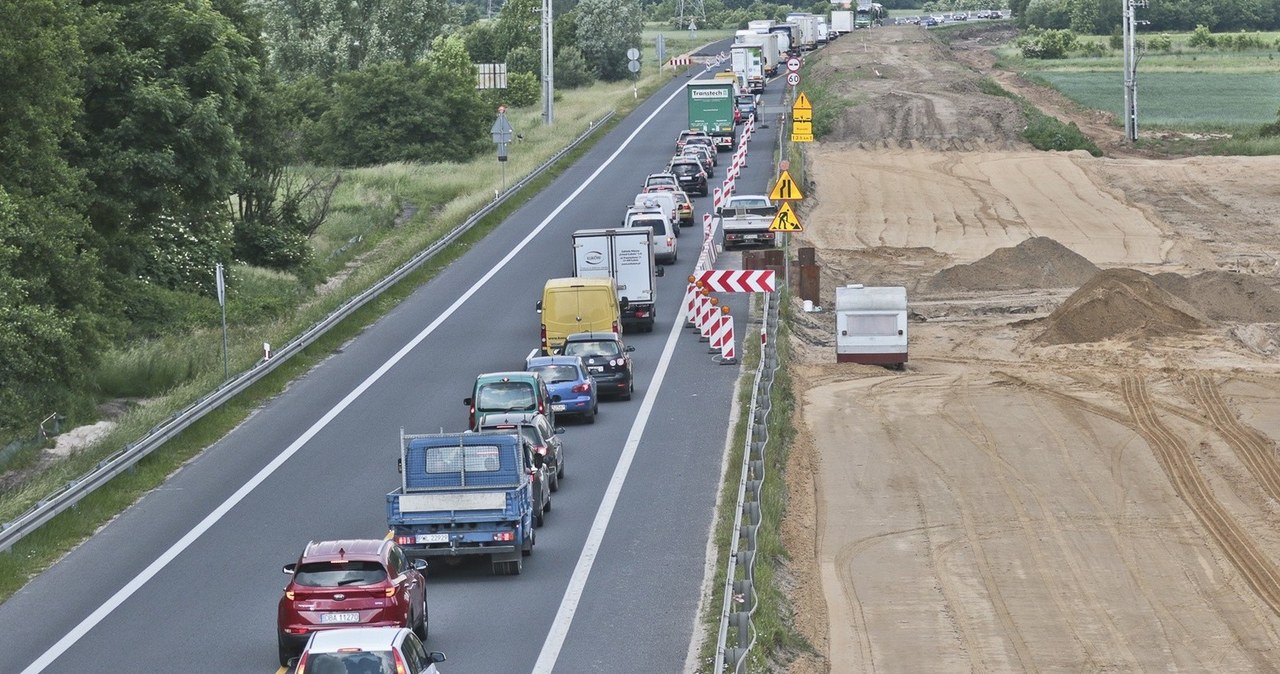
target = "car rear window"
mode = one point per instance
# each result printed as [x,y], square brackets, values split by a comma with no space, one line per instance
[506,396]
[556,374]
[658,225]
[363,662]
[331,574]
[590,349]
[685,169]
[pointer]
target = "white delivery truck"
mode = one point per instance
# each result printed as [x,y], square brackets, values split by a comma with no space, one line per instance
[842,21]
[627,256]
[871,325]
[748,63]
[760,25]
[771,52]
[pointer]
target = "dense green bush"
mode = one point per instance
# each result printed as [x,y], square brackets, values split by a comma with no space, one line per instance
[1201,37]
[1160,42]
[523,90]
[572,69]
[1047,44]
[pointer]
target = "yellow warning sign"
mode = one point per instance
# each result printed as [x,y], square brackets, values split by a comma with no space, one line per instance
[786,220]
[801,132]
[802,110]
[785,189]
[801,137]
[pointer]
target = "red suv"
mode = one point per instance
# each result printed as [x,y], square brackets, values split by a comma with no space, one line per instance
[351,583]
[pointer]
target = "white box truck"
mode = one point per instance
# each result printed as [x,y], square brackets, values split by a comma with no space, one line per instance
[771,53]
[627,256]
[748,63]
[871,325]
[842,21]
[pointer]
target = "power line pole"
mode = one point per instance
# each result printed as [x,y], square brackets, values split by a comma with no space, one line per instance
[1131,56]
[548,66]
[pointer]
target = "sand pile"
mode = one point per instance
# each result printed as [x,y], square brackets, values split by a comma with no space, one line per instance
[1225,296]
[1119,304]
[1038,262]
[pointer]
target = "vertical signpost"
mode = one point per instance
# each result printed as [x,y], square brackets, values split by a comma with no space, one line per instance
[220,279]
[633,64]
[501,132]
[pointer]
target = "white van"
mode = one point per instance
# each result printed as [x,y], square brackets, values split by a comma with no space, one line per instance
[665,201]
[664,239]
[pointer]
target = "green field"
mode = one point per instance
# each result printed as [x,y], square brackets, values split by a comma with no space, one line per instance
[1190,101]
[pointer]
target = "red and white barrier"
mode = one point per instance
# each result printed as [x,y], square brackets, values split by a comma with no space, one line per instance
[708,314]
[717,197]
[727,352]
[691,304]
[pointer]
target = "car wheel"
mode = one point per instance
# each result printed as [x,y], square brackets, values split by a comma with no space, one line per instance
[560,467]
[527,549]
[286,653]
[546,507]
[590,417]
[421,628]
[541,516]
[626,395]
[555,480]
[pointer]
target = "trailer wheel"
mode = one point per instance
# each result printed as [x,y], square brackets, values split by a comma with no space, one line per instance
[527,549]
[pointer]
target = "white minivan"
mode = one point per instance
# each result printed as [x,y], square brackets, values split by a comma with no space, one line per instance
[664,201]
[664,240]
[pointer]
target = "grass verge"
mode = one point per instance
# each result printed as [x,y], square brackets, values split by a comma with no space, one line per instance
[1043,131]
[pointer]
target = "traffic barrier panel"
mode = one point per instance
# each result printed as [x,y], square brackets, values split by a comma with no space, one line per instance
[690,304]
[727,352]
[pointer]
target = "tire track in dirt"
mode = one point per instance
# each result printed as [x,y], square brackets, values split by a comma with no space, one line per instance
[1256,569]
[1254,450]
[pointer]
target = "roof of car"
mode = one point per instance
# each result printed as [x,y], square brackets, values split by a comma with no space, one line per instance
[498,376]
[358,548]
[747,197]
[593,337]
[554,360]
[507,419]
[364,638]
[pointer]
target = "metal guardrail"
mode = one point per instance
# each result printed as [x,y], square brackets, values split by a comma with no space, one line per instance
[740,600]
[73,491]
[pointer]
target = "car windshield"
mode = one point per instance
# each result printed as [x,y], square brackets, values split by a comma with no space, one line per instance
[361,662]
[339,574]
[505,396]
[557,374]
[591,349]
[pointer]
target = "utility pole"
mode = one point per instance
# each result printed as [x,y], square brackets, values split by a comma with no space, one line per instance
[548,66]
[1131,56]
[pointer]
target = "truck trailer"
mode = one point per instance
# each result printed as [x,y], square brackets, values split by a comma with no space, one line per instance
[871,325]
[748,62]
[842,21]
[711,105]
[626,255]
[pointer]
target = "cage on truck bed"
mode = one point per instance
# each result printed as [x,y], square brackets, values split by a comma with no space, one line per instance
[464,494]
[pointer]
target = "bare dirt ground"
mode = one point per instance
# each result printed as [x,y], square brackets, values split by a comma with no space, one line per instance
[1077,471]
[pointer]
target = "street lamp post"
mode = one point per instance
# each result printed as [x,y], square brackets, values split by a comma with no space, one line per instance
[548,66]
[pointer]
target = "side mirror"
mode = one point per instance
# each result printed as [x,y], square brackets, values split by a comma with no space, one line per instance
[624,303]
[629,349]
[539,459]
[559,430]
[435,656]
[538,306]
[659,271]
[289,568]
[400,466]
[466,401]
[720,210]
[420,564]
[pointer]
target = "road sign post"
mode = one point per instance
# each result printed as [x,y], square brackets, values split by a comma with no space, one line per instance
[501,132]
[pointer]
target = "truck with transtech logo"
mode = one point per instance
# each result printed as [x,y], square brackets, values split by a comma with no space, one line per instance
[627,256]
[711,106]
[465,494]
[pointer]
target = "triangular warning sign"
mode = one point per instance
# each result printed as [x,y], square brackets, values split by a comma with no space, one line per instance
[786,220]
[785,189]
[802,103]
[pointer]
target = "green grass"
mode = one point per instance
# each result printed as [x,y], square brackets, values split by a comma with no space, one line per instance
[1191,101]
[1044,131]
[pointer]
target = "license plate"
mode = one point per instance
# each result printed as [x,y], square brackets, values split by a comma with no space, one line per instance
[595,368]
[751,236]
[336,618]
[557,408]
[431,538]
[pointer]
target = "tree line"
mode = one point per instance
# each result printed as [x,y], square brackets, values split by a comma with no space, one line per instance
[144,141]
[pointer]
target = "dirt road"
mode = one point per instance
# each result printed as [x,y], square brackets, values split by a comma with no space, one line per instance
[1078,469]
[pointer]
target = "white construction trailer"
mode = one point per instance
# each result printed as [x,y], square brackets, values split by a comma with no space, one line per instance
[871,325]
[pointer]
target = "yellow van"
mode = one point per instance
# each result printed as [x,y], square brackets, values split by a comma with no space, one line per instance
[575,304]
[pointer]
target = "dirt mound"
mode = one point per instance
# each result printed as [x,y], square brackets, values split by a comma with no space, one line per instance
[1038,262]
[1225,296]
[1119,304]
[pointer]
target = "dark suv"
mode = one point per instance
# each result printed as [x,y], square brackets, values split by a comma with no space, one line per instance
[606,358]
[691,176]
[350,583]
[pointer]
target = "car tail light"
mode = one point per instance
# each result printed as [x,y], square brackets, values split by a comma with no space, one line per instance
[544,338]
[541,449]
[400,666]
[405,540]
[302,663]
[585,387]
[670,242]
[504,536]
[288,595]
[296,630]
[390,592]
[616,329]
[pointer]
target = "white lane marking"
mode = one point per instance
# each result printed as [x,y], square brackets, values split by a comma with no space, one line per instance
[573,593]
[56,651]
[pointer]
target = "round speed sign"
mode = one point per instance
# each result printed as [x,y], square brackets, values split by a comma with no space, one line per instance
[793,79]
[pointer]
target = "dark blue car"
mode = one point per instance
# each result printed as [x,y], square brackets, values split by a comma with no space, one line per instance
[567,377]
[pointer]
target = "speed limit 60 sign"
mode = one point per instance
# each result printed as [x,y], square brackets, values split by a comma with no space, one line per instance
[793,79]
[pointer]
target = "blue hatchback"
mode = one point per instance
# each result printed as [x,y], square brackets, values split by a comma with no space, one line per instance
[566,377]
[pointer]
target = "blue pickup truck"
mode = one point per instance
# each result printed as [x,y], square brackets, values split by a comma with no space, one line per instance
[465,494]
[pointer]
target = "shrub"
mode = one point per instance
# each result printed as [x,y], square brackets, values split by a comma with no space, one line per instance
[522,90]
[1160,42]
[1201,37]
[572,69]
[1048,44]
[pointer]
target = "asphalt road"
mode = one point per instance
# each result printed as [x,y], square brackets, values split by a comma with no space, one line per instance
[189,577]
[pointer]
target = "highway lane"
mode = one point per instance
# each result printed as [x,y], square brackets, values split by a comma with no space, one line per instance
[211,607]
